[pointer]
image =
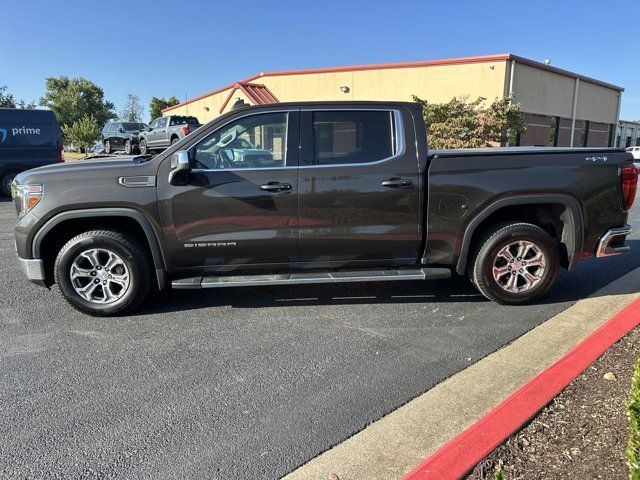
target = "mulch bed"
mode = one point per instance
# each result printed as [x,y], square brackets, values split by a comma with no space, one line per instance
[581,435]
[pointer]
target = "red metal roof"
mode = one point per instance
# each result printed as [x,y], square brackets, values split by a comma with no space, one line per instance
[257,93]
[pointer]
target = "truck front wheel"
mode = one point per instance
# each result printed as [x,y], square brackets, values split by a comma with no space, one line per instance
[515,263]
[103,272]
[144,148]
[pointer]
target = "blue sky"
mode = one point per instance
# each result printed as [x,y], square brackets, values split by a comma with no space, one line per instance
[191,47]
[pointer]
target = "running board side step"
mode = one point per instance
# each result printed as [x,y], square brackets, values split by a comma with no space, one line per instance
[316,277]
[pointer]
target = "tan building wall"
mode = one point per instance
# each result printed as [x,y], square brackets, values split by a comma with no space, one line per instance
[596,103]
[438,83]
[546,93]
[434,83]
[541,92]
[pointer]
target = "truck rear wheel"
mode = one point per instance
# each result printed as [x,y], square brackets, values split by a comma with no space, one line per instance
[103,272]
[515,263]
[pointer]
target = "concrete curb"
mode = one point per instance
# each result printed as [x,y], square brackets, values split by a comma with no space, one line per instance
[461,454]
[397,443]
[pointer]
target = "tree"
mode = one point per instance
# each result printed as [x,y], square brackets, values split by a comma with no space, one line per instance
[83,133]
[132,111]
[73,99]
[156,105]
[7,100]
[460,123]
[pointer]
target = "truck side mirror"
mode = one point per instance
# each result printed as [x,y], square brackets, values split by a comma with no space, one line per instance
[180,168]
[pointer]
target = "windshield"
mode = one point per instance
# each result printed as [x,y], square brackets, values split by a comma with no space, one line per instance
[129,127]
[181,120]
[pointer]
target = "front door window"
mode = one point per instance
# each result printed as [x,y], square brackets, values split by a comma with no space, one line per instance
[255,141]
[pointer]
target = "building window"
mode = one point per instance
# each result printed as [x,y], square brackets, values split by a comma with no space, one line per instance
[555,132]
[585,134]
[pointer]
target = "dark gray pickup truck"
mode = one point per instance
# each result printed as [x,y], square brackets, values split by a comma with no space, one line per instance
[318,192]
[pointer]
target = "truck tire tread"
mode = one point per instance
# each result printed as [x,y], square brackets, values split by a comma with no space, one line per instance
[497,234]
[139,264]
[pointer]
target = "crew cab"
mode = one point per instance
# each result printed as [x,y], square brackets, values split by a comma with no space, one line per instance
[349,192]
[166,131]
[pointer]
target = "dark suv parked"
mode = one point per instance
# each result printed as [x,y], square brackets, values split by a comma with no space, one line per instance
[121,136]
[28,139]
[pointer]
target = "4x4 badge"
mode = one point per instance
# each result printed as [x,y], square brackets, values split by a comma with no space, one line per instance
[595,159]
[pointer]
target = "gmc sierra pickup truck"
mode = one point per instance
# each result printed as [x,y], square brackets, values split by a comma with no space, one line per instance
[348,192]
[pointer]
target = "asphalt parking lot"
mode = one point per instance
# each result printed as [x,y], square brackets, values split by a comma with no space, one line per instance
[236,383]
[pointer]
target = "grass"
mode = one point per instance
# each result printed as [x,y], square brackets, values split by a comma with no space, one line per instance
[633,438]
[73,155]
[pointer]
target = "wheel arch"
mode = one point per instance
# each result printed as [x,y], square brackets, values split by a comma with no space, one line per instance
[74,221]
[571,218]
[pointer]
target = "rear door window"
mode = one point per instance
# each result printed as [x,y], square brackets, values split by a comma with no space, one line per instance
[347,137]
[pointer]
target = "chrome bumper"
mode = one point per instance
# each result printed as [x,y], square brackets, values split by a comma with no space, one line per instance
[616,237]
[33,269]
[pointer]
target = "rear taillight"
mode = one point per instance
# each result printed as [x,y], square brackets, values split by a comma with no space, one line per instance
[185,129]
[60,153]
[628,185]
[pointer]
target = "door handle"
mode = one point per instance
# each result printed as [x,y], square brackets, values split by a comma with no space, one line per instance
[275,187]
[397,183]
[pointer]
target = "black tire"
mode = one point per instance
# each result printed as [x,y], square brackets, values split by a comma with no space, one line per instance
[174,140]
[5,183]
[135,259]
[128,148]
[144,148]
[490,253]
[107,147]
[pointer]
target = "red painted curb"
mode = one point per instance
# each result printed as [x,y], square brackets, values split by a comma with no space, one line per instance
[464,452]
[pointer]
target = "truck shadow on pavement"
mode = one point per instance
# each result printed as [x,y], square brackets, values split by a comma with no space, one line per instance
[590,276]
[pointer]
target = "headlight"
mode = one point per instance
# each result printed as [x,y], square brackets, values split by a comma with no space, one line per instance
[26,196]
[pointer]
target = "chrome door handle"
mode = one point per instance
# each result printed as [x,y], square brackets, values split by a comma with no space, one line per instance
[275,187]
[397,183]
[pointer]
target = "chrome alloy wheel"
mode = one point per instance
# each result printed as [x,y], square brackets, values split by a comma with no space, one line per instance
[519,266]
[99,276]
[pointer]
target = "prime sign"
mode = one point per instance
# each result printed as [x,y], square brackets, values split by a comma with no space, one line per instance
[16,131]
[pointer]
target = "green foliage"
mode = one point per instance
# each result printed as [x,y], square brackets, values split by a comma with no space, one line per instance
[633,437]
[7,100]
[461,123]
[73,99]
[83,133]
[498,474]
[156,105]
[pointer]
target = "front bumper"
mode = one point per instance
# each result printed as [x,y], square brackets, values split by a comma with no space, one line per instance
[613,242]
[33,269]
